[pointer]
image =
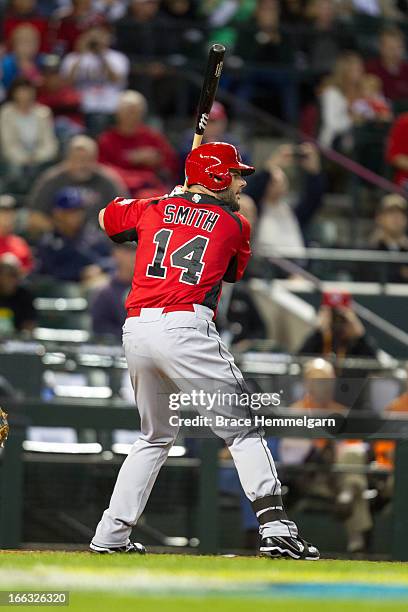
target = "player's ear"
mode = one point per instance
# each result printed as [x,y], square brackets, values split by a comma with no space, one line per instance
[100,218]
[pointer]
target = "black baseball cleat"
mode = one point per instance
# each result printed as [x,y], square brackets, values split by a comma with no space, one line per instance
[283,547]
[129,548]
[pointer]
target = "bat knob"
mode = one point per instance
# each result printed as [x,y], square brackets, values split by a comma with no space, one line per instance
[217,48]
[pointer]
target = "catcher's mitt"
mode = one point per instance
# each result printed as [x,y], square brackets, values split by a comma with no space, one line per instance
[4,427]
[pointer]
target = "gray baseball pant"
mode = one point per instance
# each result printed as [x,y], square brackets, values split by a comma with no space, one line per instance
[182,351]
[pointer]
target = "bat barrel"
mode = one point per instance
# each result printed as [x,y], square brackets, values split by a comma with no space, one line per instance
[210,85]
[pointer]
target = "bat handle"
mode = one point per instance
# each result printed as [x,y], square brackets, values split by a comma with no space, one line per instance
[197,140]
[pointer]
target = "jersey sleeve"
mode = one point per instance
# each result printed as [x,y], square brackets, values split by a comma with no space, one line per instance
[121,218]
[239,261]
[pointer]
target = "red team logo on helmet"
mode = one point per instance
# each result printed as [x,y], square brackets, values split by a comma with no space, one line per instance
[209,165]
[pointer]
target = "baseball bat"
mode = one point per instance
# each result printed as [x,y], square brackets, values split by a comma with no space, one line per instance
[208,91]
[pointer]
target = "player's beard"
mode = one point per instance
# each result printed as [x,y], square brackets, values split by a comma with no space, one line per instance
[230,198]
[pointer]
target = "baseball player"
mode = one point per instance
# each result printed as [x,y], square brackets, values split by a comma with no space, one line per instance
[188,244]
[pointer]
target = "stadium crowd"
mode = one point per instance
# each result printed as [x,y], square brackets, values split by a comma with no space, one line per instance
[92,96]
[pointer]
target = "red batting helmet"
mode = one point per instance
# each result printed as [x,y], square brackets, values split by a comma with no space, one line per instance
[209,165]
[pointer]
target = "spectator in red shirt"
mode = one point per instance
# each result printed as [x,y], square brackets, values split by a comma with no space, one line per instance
[71,22]
[22,12]
[397,150]
[391,67]
[9,242]
[138,153]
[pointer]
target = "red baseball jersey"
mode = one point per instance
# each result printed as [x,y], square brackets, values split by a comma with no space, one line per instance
[186,246]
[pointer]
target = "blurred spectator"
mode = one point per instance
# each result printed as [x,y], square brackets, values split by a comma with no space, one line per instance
[391,66]
[223,16]
[400,403]
[280,225]
[293,11]
[79,169]
[319,385]
[325,37]
[62,99]
[372,105]
[220,12]
[216,131]
[24,59]
[17,311]
[108,304]
[261,45]
[154,39]
[385,449]
[189,27]
[139,32]
[247,208]
[338,331]
[9,242]
[345,488]
[25,12]
[112,10]
[261,39]
[73,250]
[397,150]
[142,156]
[338,93]
[390,234]
[99,73]
[185,10]
[70,22]
[26,134]
[238,318]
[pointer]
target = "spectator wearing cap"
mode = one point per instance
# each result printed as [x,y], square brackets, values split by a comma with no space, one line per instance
[216,131]
[27,134]
[108,304]
[397,150]
[138,153]
[9,242]
[98,73]
[63,100]
[338,331]
[79,169]
[390,234]
[73,250]
[17,311]
[69,22]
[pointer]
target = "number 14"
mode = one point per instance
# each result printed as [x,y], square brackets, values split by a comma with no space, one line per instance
[188,257]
